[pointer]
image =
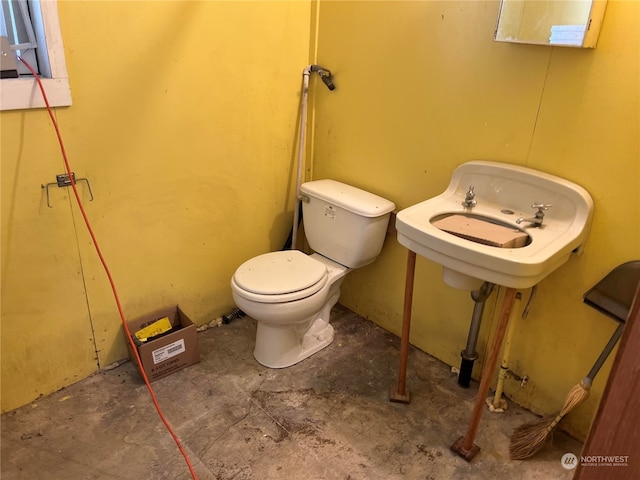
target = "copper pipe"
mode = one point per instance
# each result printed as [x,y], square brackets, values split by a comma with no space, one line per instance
[399,393]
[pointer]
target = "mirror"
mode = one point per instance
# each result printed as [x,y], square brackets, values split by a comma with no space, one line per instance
[568,23]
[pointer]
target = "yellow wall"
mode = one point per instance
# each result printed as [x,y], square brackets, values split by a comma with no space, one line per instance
[422,87]
[184,121]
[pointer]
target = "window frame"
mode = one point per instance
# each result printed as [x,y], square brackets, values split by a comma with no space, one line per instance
[23,93]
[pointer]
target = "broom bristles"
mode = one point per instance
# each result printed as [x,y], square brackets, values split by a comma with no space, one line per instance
[529,438]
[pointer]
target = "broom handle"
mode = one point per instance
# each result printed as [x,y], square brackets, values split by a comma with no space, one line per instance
[605,353]
[588,380]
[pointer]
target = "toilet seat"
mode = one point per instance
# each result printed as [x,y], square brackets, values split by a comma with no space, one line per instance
[278,277]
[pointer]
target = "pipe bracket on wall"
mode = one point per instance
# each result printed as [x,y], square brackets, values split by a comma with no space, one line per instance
[63,180]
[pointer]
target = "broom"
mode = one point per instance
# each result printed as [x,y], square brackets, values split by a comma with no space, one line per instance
[529,438]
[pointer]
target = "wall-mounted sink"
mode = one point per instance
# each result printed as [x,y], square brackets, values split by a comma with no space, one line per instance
[502,195]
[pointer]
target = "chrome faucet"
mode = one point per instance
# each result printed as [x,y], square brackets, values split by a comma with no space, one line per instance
[470,199]
[536,221]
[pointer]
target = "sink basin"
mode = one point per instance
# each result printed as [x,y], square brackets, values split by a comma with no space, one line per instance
[503,194]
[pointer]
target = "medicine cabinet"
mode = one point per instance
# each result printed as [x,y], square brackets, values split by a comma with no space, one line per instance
[568,23]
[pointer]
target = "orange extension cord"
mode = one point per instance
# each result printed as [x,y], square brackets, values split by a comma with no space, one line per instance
[107,271]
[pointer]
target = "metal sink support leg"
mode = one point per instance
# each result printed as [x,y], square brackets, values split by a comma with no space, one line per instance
[464,446]
[399,393]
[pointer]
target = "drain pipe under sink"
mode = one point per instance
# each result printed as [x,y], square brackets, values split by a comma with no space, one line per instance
[469,354]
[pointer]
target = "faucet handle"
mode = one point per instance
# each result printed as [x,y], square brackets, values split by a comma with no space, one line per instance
[469,200]
[542,207]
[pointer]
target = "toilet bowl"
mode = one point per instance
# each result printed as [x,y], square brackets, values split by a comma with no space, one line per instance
[290,294]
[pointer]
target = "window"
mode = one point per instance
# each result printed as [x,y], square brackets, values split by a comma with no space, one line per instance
[43,31]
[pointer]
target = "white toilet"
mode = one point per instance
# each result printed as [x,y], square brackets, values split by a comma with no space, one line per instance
[290,294]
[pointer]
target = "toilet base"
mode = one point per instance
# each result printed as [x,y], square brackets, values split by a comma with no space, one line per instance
[280,347]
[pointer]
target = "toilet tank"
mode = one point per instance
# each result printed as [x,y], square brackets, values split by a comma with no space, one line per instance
[344,223]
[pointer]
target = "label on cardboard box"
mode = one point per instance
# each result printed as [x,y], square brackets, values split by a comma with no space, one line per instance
[168,351]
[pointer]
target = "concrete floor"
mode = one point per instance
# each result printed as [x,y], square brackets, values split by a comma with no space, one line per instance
[328,417]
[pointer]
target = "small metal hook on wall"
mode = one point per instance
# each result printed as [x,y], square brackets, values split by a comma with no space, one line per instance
[63,180]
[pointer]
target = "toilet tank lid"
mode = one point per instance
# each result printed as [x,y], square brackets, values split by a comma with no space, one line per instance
[350,198]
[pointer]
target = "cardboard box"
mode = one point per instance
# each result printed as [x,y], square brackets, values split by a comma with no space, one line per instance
[483,232]
[170,352]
